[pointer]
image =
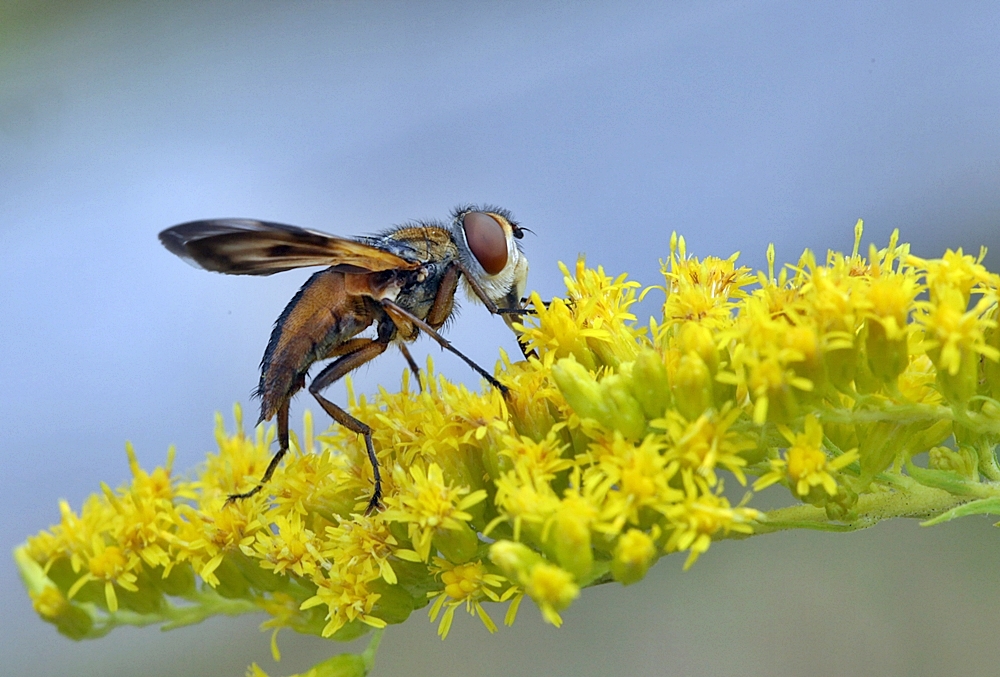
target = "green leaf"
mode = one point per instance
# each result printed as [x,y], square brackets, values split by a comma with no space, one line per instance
[948,480]
[984,506]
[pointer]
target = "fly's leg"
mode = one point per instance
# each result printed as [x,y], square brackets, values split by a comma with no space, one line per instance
[401,315]
[282,450]
[348,362]
[413,364]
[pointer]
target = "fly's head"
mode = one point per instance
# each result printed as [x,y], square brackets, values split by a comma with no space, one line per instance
[487,239]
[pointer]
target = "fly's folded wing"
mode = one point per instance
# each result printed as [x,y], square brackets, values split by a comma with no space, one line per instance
[250,247]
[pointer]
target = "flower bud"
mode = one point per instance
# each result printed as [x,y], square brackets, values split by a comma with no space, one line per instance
[842,505]
[458,544]
[887,357]
[991,367]
[570,535]
[71,620]
[179,582]
[696,338]
[232,583]
[804,341]
[624,412]
[341,665]
[692,386]
[514,559]
[147,599]
[49,601]
[879,446]
[579,388]
[960,386]
[865,380]
[841,364]
[610,402]
[650,385]
[394,604]
[964,461]
[255,575]
[633,555]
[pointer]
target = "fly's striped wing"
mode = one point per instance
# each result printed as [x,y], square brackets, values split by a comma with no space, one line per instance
[249,247]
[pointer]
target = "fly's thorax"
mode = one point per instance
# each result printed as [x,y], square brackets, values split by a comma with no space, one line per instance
[385,284]
[486,240]
[422,242]
[420,287]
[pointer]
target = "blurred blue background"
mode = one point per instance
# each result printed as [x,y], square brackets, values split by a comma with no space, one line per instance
[603,127]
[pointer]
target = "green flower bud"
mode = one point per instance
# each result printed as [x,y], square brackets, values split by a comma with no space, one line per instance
[964,461]
[960,386]
[610,402]
[514,559]
[696,338]
[880,443]
[841,506]
[991,367]
[805,341]
[255,575]
[633,556]
[843,435]
[457,545]
[990,410]
[50,601]
[74,622]
[649,384]
[579,388]
[342,665]
[624,413]
[413,576]
[571,544]
[350,631]
[887,357]
[865,380]
[692,386]
[179,582]
[395,604]
[232,583]
[841,364]
[148,599]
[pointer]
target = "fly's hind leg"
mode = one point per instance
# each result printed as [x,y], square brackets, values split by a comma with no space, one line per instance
[366,351]
[282,450]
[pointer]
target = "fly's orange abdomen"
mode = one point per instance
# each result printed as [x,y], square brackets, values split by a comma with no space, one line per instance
[320,316]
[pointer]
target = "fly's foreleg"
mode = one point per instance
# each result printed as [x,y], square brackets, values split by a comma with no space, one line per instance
[401,315]
[491,306]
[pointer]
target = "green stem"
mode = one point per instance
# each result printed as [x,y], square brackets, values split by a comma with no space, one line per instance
[368,655]
[916,501]
[988,462]
[204,604]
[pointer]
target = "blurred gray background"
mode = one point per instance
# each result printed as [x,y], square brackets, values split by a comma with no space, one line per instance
[603,127]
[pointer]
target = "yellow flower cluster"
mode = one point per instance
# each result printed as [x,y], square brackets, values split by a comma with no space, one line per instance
[609,452]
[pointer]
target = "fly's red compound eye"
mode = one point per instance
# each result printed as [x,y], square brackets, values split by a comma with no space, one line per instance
[486,240]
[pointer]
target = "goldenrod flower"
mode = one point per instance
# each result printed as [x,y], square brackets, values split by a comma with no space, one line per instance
[702,516]
[610,451]
[806,464]
[348,597]
[433,508]
[469,584]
